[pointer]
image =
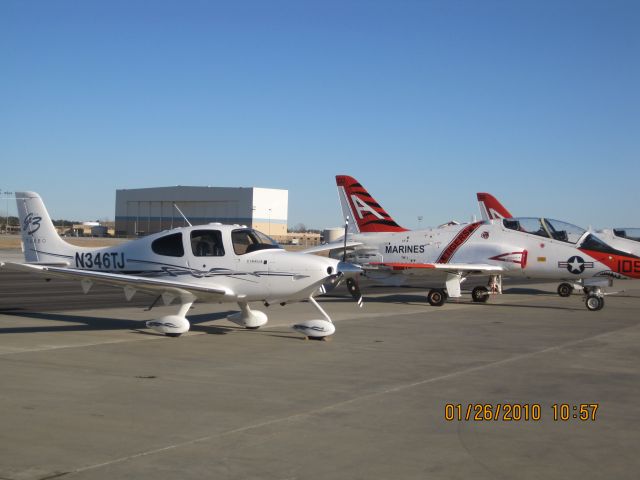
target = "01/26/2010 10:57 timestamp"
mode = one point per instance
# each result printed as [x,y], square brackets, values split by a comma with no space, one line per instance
[518,412]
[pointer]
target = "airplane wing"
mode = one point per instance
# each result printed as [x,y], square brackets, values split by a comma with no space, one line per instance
[329,246]
[432,268]
[130,283]
[451,274]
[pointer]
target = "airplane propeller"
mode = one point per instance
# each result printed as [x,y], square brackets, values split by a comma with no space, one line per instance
[354,290]
[352,282]
[344,249]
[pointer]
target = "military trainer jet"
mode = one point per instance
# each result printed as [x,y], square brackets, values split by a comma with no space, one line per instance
[517,247]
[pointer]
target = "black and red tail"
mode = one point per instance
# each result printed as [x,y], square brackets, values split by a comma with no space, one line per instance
[491,208]
[360,206]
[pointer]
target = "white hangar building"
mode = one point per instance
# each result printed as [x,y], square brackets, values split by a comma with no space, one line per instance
[142,211]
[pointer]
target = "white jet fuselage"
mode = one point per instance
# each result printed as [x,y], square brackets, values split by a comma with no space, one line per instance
[517,253]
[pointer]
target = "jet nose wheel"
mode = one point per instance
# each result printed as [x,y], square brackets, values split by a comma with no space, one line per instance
[436,297]
[594,303]
[565,289]
[480,294]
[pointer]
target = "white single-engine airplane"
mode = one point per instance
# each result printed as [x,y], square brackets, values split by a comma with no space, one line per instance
[450,253]
[623,239]
[209,263]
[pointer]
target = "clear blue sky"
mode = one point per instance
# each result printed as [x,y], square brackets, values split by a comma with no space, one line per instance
[425,102]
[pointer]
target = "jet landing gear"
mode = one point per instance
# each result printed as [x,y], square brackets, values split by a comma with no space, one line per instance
[594,299]
[436,297]
[565,289]
[316,329]
[481,294]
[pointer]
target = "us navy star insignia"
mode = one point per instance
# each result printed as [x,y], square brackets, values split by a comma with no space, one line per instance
[575,265]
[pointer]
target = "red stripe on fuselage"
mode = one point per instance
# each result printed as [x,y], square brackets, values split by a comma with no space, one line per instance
[459,240]
[627,266]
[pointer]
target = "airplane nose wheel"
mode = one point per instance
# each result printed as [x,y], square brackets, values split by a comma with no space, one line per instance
[594,302]
[316,329]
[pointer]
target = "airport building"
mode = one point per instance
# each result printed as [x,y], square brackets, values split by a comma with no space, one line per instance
[143,211]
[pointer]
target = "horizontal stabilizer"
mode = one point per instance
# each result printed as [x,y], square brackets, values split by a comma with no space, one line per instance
[49,264]
[330,246]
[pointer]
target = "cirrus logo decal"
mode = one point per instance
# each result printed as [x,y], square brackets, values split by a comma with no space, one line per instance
[31,224]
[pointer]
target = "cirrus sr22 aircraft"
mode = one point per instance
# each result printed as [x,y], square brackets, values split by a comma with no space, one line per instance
[209,263]
[448,254]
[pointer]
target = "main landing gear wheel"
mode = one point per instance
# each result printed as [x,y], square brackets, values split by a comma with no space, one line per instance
[173,335]
[480,294]
[252,328]
[594,303]
[565,289]
[436,297]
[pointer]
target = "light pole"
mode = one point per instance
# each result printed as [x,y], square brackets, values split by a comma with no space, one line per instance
[269,222]
[6,218]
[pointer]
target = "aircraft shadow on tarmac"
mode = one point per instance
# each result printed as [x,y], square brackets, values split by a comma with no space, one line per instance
[84,323]
[411,299]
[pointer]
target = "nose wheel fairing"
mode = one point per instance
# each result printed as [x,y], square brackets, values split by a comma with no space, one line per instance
[317,328]
[173,325]
[250,319]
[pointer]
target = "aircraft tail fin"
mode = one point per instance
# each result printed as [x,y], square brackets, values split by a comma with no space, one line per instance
[491,208]
[40,241]
[365,214]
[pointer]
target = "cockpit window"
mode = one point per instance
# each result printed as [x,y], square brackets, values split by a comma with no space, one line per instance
[248,240]
[534,226]
[169,245]
[563,231]
[207,243]
[545,227]
[628,233]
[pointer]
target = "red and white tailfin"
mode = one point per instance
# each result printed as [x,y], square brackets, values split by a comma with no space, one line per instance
[365,214]
[491,208]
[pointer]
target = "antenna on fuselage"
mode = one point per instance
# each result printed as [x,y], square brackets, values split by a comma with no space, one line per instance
[183,216]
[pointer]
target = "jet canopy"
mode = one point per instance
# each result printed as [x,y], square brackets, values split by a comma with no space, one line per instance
[628,233]
[545,227]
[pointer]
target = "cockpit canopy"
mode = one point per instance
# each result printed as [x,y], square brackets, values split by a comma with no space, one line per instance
[247,240]
[545,227]
[208,242]
[628,233]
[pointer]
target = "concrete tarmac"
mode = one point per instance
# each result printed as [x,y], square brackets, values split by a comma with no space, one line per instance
[90,393]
